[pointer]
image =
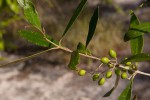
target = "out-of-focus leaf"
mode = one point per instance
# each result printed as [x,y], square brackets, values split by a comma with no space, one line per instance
[13,5]
[132,34]
[127,92]
[75,15]
[143,27]
[30,13]
[21,2]
[82,49]
[1,3]
[116,84]
[137,43]
[36,38]
[92,25]
[74,61]
[137,58]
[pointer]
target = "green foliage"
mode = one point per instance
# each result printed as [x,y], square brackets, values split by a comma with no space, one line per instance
[134,34]
[92,25]
[137,58]
[143,27]
[75,15]
[74,61]
[137,43]
[30,13]
[36,38]
[114,87]
[13,5]
[137,30]
[126,94]
[82,49]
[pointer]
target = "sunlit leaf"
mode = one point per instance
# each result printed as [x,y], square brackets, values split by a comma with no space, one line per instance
[143,27]
[137,43]
[82,49]
[127,92]
[74,61]
[36,38]
[75,15]
[111,91]
[13,5]
[30,13]
[137,58]
[132,34]
[92,25]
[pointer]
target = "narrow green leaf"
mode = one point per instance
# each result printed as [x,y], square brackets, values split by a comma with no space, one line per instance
[137,43]
[132,34]
[21,2]
[127,93]
[1,3]
[111,91]
[143,27]
[137,58]
[92,25]
[82,49]
[74,60]
[30,13]
[74,16]
[36,38]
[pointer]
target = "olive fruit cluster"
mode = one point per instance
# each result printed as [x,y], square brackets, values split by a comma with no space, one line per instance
[112,54]
[113,67]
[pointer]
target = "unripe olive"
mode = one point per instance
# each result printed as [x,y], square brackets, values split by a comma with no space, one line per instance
[128,63]
[105,60]
[108,74]
[110,65]
[112,53]
[95,77]
[101,81]
[134,67]
[124,75]
[82,72]
[117,72]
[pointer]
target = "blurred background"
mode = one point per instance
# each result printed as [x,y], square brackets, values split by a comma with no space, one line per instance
[47,77]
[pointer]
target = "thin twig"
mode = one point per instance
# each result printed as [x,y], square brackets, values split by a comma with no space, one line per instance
[27,57]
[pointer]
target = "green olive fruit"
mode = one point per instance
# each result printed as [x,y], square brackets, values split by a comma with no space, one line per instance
[124,75]
[82,72]
[95,77]
[110,65]
[101,81]
[134,67]
[105,60]
[117,72]
[112,53]
[108,74]
[128,63]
